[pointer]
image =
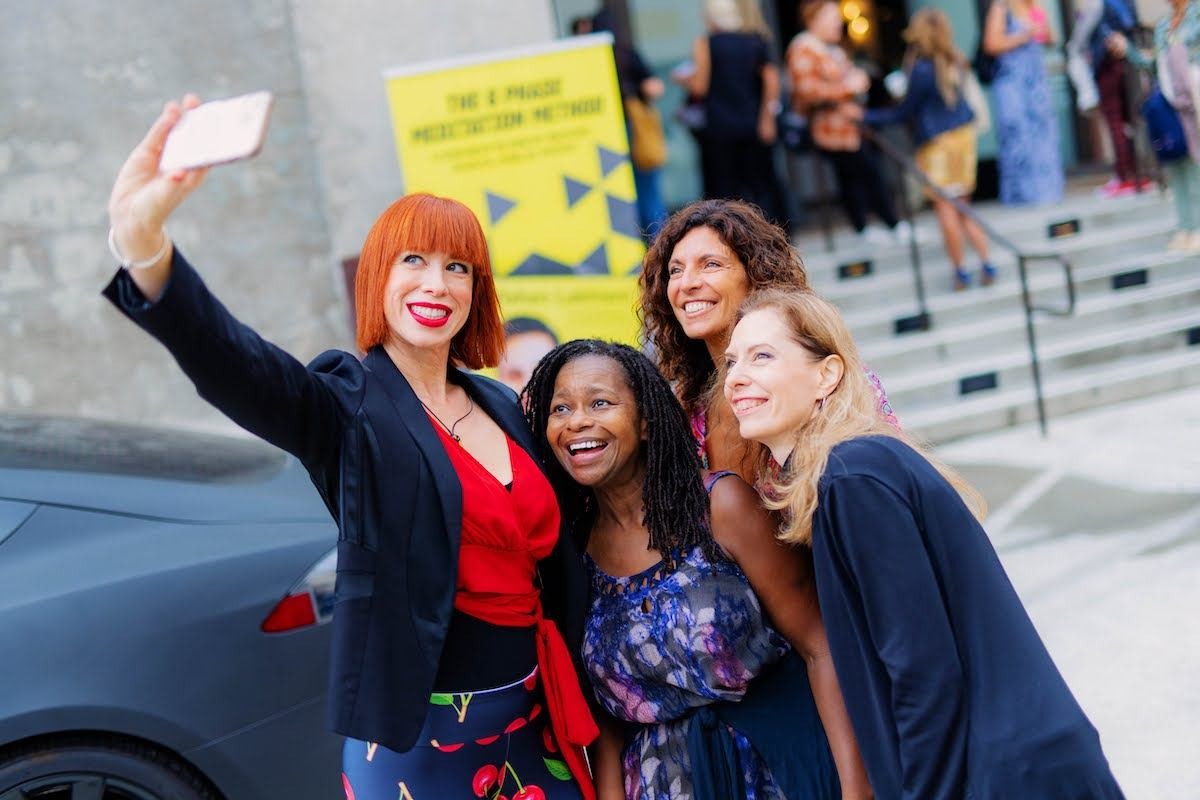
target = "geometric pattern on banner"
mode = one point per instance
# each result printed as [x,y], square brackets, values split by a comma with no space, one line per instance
[622,215]
[595,264]
[610,159]
[498,206]
[537,264]
[576,190]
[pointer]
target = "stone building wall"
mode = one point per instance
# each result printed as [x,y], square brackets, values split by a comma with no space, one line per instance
[81,80]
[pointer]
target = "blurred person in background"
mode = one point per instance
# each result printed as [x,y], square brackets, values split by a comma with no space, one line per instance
[733,76]
[636,81]
[828,90]
[943,130]
[1115,16]
[1177,62]
[526,340]
[1017,33]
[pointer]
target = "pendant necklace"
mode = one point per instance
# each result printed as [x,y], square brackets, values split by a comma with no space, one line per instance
[450,428]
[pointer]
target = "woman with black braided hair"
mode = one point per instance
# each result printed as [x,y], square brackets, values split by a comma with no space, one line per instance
[704,696]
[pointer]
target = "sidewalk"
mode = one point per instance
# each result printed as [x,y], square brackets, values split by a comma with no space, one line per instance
[1099,528]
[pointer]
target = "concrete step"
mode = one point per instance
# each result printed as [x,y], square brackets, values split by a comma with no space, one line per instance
[1119,247]
[1099,385]
[875,320]
[1025,227]
[992,333]
[997,372]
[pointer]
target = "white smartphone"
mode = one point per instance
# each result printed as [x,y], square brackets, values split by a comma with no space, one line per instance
[217,132]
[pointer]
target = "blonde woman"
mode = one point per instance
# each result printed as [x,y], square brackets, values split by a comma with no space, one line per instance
[943,129]
[950,691]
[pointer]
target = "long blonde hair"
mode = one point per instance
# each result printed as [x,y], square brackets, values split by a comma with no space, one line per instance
[929,35]
[849,411]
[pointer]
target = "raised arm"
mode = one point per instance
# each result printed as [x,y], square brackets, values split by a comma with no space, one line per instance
[872,533]
[782,578]
[255,383]
[142,199]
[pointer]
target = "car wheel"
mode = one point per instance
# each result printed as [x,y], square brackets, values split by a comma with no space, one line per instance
[109,768]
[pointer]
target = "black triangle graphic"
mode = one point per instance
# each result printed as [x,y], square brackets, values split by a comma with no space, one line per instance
[576,190]
[537,264]
[498,206]
[594,264]
[622,217]
[610,159]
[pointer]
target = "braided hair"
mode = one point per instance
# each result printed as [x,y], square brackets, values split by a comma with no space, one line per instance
[674,503]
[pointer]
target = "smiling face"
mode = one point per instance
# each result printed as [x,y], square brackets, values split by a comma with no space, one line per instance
[706,284]
[594,426]
[427,298]
[773,383]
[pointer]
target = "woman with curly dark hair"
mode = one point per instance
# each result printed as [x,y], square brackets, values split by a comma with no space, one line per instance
[703,696]
[706,260]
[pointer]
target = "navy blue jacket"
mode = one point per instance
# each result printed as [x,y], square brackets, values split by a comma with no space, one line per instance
[384,475]
[923,107]
[1118,17]
[950,690]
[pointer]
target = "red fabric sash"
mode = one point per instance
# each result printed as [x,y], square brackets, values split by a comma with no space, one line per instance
[570,718]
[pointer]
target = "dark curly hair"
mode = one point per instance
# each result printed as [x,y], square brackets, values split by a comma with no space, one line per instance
[766,254]
[674,503]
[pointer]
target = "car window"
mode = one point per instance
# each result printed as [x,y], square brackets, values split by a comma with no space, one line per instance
[113,448]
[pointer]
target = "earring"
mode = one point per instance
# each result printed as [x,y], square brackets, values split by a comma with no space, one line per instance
[820,403]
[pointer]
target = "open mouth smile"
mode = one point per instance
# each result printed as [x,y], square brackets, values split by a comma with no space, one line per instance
[429,315]
[586,451]
[694,308]
[745,405]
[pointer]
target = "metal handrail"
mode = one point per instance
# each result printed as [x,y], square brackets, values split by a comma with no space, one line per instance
[905,162]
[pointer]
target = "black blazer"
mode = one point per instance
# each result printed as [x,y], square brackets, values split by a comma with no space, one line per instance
[377,461]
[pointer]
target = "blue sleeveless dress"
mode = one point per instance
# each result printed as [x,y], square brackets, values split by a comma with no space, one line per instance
[1027,155]
[667,647]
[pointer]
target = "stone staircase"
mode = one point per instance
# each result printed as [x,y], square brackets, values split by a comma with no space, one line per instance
[1135,331]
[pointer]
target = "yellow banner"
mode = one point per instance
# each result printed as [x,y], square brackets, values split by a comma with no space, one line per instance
[534,143]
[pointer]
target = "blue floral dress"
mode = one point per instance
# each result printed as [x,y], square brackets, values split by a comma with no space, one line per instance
[1028,158]
[685,633]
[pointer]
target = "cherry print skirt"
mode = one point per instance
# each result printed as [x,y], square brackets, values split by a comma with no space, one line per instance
[494,744]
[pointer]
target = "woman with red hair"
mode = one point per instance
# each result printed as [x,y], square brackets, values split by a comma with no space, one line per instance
[449,670]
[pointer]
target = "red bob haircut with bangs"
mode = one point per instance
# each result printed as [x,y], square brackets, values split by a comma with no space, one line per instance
[426,223]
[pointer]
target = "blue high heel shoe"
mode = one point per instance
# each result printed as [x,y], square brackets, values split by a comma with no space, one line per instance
[962,279]
[987,274]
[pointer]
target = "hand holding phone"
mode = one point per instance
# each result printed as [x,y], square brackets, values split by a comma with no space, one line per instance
[217,132]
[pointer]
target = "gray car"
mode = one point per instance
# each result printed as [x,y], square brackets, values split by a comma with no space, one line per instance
[164,600]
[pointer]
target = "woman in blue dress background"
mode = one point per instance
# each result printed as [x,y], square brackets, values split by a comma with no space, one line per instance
[1016,33]
[703,696]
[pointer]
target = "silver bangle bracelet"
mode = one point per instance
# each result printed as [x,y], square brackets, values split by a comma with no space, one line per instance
[143,264]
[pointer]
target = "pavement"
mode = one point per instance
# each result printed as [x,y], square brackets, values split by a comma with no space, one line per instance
[1098,525]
